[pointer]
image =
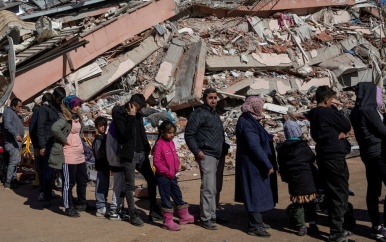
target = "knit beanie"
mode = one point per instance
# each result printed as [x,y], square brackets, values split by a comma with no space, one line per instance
[72,101]
[292,130]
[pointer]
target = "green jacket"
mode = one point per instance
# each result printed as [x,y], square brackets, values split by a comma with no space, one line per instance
[60,130]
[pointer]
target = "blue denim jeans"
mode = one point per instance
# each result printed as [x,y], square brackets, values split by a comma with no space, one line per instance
[101,189]
[169,188]
[14,151]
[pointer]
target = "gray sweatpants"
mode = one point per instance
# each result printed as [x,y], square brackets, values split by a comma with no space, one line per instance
[208,169]
[14,159]
[118,189]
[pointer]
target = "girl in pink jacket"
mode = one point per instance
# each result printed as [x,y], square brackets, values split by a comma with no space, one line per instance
[167,165]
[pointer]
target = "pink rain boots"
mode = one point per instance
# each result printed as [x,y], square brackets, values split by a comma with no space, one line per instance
[183,214]
[168,220]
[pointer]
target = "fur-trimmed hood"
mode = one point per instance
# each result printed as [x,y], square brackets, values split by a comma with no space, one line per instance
[67,113]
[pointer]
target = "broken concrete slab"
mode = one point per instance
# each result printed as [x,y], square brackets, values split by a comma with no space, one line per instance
[273,62]
[324,54]
[351,79]
[165,75]
[11,25]
[149,89]
[345,63]
[275,108]
[304,86]
[85,73]
[117,68]
[101,39]
[187,85]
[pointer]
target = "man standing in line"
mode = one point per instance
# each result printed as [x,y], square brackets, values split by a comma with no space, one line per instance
[133,151]
[47,116]
[14,133]
[329,128]
[204,135]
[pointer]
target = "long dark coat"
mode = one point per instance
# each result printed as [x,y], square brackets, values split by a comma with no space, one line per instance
[254,158]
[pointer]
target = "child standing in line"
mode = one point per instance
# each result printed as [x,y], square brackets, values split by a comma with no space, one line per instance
[167,165]
[67,131]
[296,165]
[102,166]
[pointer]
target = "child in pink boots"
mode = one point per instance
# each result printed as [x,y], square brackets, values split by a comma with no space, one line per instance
[167,164]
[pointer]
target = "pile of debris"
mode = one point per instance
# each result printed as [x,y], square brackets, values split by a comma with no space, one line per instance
[109,51]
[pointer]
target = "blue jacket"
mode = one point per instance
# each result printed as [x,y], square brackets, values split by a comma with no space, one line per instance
[254,158]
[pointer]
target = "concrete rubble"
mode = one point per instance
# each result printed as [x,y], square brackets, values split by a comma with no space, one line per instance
[113,49]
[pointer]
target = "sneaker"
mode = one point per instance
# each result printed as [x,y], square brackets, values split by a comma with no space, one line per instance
[260,232]
[265,226]
[41,196]
[7,186]
[302,231]
[124,215]
[54,195]
[313,229]
[208,225]
[135,219]
[114,216]
[101,213]
[378,233]
[340,237]
[71,212]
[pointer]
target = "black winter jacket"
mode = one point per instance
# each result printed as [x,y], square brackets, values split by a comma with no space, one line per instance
[99,150]
[369,129]
[47,116]
[205,132]
[296,165]
[126,132]
[326,125]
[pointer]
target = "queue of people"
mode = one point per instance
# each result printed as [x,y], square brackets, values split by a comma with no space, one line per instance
[56,130]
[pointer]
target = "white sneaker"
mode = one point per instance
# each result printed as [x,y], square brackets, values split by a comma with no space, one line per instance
[41,196]
[101,212]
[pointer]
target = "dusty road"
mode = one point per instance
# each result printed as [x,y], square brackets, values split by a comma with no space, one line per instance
[24,219]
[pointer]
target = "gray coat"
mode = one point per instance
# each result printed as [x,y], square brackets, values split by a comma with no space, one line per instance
[13,126]
[60,130]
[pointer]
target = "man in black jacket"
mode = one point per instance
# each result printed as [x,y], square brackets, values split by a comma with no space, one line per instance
[204,135]
[370,132]
[328,129]
[133,151]
[47,116]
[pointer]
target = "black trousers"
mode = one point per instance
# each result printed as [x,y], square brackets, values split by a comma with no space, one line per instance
[141,163]
[74,174]
[255,221]
[375,175]
[334,177]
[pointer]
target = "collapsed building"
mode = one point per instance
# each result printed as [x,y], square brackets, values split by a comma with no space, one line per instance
[105,51]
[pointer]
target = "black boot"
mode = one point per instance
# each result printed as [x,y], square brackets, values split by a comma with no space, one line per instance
[155,214]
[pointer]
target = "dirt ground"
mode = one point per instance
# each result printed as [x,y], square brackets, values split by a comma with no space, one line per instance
[23,218]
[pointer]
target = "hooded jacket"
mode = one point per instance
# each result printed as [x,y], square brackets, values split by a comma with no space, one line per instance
[367,123]
[126,126]
[165,158]
[60,130]
[47,116]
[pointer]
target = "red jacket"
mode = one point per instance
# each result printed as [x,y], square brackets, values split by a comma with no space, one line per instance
[165,158]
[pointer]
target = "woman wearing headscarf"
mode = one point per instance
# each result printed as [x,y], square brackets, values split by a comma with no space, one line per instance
[67,131]
[255,162]
[370,133]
